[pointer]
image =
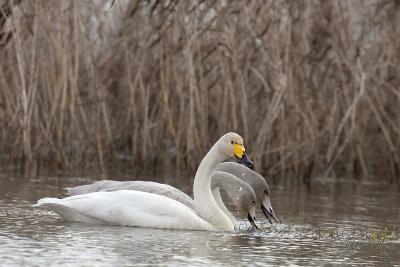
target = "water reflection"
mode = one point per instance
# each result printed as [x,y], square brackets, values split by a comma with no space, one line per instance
[327,223]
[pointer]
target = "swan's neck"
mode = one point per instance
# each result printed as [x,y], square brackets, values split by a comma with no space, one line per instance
[204,201]
[221,205]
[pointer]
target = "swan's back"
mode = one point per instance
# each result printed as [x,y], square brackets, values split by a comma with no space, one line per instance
[128,208]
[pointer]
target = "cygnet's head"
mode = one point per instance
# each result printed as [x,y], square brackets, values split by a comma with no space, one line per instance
[246,202]
[263,195]
[231,145]
[266,206]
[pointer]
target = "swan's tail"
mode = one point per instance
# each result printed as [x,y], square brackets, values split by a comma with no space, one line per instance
[41,203]
[67,213]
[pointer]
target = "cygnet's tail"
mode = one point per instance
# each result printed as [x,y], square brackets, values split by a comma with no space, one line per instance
[78,190]
[98,186]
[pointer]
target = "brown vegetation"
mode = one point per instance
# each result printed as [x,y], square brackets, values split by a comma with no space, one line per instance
[313,86]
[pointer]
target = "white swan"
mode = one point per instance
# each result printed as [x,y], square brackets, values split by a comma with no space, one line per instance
[218,182]
[135,208]
[240,193]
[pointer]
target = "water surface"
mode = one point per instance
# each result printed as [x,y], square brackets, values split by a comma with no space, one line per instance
[330,222]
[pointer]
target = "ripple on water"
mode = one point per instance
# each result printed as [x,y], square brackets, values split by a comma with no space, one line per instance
[323,234]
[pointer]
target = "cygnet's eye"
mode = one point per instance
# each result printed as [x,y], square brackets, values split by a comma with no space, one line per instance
[253,202]
[266,192]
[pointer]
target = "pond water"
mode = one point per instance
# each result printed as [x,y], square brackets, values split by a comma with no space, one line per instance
[329,222]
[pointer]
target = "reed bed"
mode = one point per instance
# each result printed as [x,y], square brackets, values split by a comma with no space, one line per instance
[313,86]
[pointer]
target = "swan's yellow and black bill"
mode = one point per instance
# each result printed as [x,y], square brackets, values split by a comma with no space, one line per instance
[239,152]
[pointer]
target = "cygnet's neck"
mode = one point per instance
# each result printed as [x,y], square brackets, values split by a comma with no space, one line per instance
[204,202]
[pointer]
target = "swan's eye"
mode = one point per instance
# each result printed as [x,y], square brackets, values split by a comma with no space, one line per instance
[232,142]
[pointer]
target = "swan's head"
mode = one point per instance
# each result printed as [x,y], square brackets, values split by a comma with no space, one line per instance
[231,145]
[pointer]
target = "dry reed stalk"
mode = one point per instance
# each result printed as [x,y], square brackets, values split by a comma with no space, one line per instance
[313,86]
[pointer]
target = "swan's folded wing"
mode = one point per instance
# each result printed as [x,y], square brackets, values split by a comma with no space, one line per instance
[126,207]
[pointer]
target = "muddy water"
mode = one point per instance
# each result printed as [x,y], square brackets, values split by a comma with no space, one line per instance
[330,222]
